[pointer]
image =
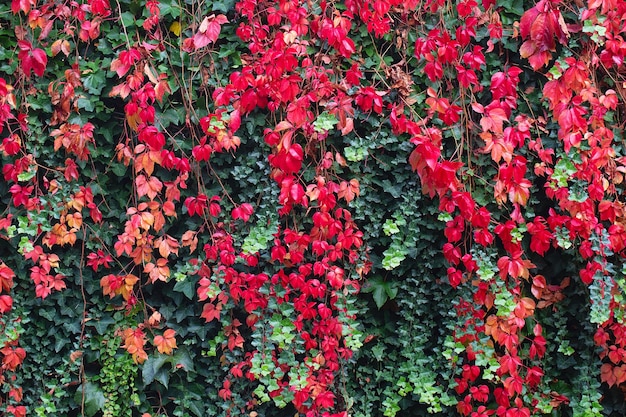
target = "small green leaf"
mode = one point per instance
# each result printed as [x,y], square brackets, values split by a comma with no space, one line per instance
[324,122]
[26,175]
[390,227]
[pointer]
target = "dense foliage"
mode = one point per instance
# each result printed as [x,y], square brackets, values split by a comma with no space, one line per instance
[365,208]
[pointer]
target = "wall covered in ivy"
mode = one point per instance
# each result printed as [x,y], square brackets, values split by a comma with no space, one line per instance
[361,208]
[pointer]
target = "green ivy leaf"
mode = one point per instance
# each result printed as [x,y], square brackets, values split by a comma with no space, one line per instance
[182,357]
[94,399]
[381,291]
[152,367]
[187,287]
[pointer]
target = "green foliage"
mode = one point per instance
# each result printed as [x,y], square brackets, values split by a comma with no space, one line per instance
[116,380]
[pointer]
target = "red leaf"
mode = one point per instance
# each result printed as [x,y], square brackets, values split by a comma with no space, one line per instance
[12,357]
[31,59]
[203,151]
[455,277]
[541,237]
[6,303]
[242,212]
[152,137]
[210,312]
[509,364]
[235,120]
[538,27]
[95,259]
[126,59]
[23,5]
[40,60]
[513,385]
[325,399]
[196,205]
[17,411]
[514,266]
[6,278]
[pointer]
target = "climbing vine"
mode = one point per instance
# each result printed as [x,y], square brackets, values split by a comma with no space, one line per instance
[238,207]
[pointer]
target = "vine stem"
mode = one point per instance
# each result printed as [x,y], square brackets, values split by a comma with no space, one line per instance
[84,321]
[119,9]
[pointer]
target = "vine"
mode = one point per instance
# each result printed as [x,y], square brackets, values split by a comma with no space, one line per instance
[203,186]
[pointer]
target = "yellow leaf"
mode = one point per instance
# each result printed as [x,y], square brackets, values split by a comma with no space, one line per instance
[175,28]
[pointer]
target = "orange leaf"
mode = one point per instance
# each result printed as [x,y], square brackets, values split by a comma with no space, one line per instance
[161,88]
[167,245]
[190,239]
[155,318]
[539,285]
[74,220]
[226,140]
[166,343]
[159,271]
[159,220]
[129,283]
[148,186]
[520,192]
[348,190]
[494,120]
[142,185]
[528,303]
[60,45]
[340,159]
[169,209]
[146,160]
[620,374]
[134,341]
